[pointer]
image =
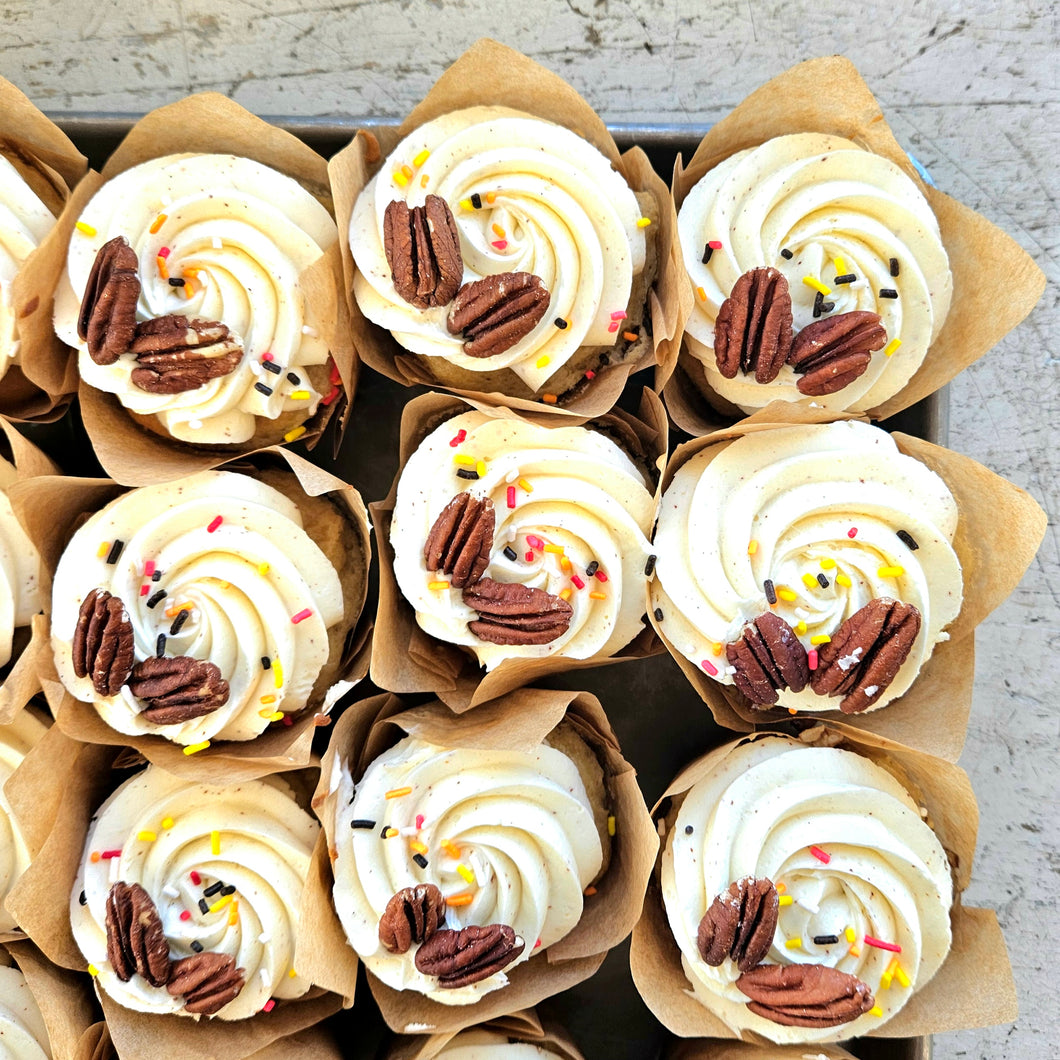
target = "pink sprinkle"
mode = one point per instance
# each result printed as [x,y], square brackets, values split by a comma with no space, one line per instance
[577,582]
[195,877]
[600,576]
[811,658]
[164,252]
[419,820]
[288,721]
[820,855]
[144,590]
[715,244]
[335,391]
[500,244]
[534,542]
[186,915]
[301,616]
[590,374]
[149,568]
[709,667]
[618,315]
[268,1006]
[852,532]
[267,357]
[457,439]
[529,557]
[536,944]
[511,496]
[880,945]
[217,521]
[108,854]
[613,326]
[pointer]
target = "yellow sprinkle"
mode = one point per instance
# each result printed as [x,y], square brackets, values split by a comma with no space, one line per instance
[480,468]
[491,197]
[292,974]
[399,178]
[543,361]
[167,822]
[466,204]
[611,825]
[233,913]
[899,974]
[597,596]
[525,486]
[828,563]
[842,579]
[215,842]
[752,547]
[277,673]
[849,934]
[840,266]
[460,899]
[498,231]
[788,595]
[800,628]
[104,548]
[437,586]
[875,1011]
[85,229]
[464,460]
[451,848]
[890,572]
[92,969]
[268,699]
[397,793]
[425,180]
[276,716]
[564,594]
[889,349]
[417,847]
[793,944]
[810,581]
[565,564]
[549,399]
[195,748]
[888,975]
[300,395]
[159,221]
[716,647]
[643,222]
[146,837]
[263,568]
[266,713]
[221,903]
[812,281]
[854,951]
[390,833]
[418,161]
[294,434]
[556,549]
[786,899]
[821,638]
[468,875]
[702,294]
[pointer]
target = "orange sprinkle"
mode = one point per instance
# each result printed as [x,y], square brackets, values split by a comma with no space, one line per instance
[418,847]
[597,596]
[460,899]
[159,221]
[564,563]
[425,180]
[498,231]
[95,857]
[716,647]
[589,892]
[549,399]
[396,793]
[630,336]
[451,848]
[491,197]
[174,611]
[162,270]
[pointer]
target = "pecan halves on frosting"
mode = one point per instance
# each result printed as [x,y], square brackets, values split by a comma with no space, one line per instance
[177,689]
[768,658]
[102,645]
[136,941]
[740,924]
[805,995]
[494,313]
[510,613]
[866,652]
[107,320]
[461,539]
[752,332]
[459,958]
[206,981]
[412,916]
[422,248]
[175,354]
[833,352]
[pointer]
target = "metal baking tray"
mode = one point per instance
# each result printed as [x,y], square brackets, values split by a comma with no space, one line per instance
[604,1014]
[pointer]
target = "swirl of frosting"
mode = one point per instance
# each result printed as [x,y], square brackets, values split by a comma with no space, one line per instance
[548,203]
[23,1032]
[231,553]
[817,206]
[564,498]
[478,1043]
[513,830]
[19,561]
[784,506]
[239,235]
[24,222]
[852,851]
[178,840]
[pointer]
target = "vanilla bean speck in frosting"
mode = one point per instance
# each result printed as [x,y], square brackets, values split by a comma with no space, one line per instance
[19,560]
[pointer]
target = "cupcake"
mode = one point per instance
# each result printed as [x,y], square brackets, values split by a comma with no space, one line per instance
[19,563]
[807,567]
[22,1027]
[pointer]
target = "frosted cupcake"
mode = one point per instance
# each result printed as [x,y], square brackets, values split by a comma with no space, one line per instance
[19,563]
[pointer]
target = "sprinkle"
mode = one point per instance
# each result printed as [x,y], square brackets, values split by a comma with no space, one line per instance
[510,553]
[591,570]
[525,486]
[457,438]
[900,975]
[809,581]
[907,540]
[146,837]
[599,575]
[556,550]
[419,820]
[818,305]
[534,541]
[418,847]
[560,323]
[170,612]
[716,647]
[420,158]
[771,593]
[167,822]
[292,974]
[820,855]
[301,616]
[160,261]
[467,472]
[499,244]
[589,373]
[786,899]
[195,877]
[577,582]
[465,204]
[300,395]
[792,710]
[267,712]
[157,576]
[801,628]
[95,857]
[214,888]
[176,281]
[825,940]
[689,829]
[611,825]
[613,326]
[185,914]
[842,579]
[888,292]
[827,563]
[498,231]
[263,568]
[160,645]
[459,899]
[881,945]
[643,222]
[215,842]
[708,253]
[849,935]
[822,581]
[649,567]
[362,822]
[104,547]
[399,178]
[630,336]
[752,547]
[812,281]
[463,460]
[529,557]
[702,294]
[589,892]
[565,594]
[233,913]
[451,848]
[852,532]
[511,496]
[890,572]
[420,860]
[195,748]
[888,975]
[468,875]
[821,638]
[793,944]
[164,253]
[269,1005]
[197,946]
[397,793]
[294,434]
[107,855]
[476,201]
[875,1011]
[891,347]
[261,388]
[85,229]
[92,969]
[788,595]
[847,278]
[597,596]
[178,623]
[389,833]
[786,254]
[491,197]
[894,266]
[709,667]
[115,551]
[840,265]
[217,520]
[781,888]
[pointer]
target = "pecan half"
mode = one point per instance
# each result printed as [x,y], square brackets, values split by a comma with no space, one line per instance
[412,916]
[865,653]
[510,613]
[833,352]
[468,956]
[752,332]
[177,689]
[107,319]
[768,658]
[422,249]
[805,995]
[461,539]
[740,924]
[494,313]
[175,354]
[136,941]
[102,645]
[206,981]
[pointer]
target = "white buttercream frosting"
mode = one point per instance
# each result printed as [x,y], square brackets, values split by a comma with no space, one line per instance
[780,504]
[838,209]
[240,234]
[156,830]
[587,499]
[23,1032]
[549,204]
[19,563]
[520,822]
[758,813]
[479,1044]
[235,549]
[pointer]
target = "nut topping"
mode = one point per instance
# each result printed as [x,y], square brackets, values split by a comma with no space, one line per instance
[102,644]
[864,655]
[107,318]
[752,332]
[494,313]
[175,354]
[412,916]
[740,924]
[459,958]
[768,658]
[206,981]
[510,613]
[833,352]
[136,941]
[423,250]
[805,995]
[460,541]
[177,689]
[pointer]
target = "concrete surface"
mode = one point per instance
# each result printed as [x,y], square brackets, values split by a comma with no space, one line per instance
[970,88]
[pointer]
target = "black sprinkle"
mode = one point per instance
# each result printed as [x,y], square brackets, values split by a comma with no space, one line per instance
[708,250]
[818,302]
[825,940]
[771,593]
[822,581]
[894,266]
[560,323]
[592,569]
[226,891]
[197,947]
[160,645]
[511,553]
[204,906]
[261,388]
[157,576]
[689,829]
[293,379]
[827,307]
[907,539]
[786,254]
[156,598]
[176,281]
[213,889]
[658,614]
[266,663]
[362,822]
[649,567]
[888,292]
[271,366]
[82,899]
[849,277]
[115,551]
[466,472]
[178,623]
[420,860]
[476,201]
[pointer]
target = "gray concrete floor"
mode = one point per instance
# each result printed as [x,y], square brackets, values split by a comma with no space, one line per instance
[969,87]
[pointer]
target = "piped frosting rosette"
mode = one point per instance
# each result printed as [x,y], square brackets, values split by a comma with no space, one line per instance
[19,561]
[811,566]
[847,230]
[217,238]
[507,838]
[213,875]
[23,1031]
[557,522]
[525,196]
[860,886]
[214,570]
[481,1044]
[24,222]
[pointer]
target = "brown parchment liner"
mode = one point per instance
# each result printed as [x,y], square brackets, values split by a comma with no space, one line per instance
[800,100]
[39,387]
[51,508]
[999,529]
[974,986]
[489,73]
[721,1050]
[404,657]
[525,1026]
[205,123]
[518,721]
[65,782]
